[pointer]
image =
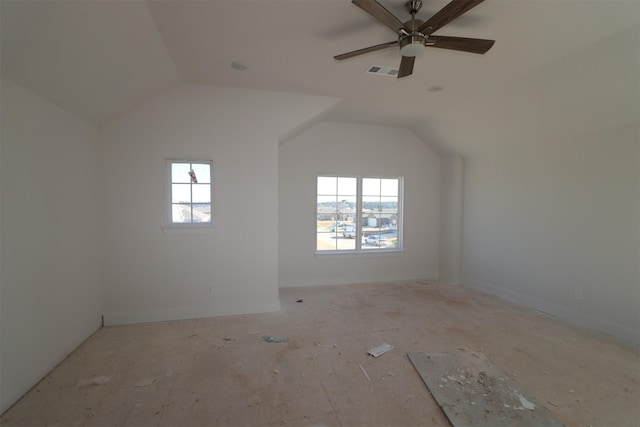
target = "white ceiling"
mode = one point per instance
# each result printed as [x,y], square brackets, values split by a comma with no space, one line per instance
[565,65]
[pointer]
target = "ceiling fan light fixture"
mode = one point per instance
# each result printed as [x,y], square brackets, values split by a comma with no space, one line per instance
[412,45]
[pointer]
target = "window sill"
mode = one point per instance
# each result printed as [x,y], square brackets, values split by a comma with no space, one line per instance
[359,254]
[189,229]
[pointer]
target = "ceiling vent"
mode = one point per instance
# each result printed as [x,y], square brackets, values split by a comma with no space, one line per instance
[383,71]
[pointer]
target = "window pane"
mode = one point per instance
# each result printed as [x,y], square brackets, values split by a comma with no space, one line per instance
[389,187]
[201,193]
[370,222]
[202,172]
[327,185]
[371,186]
[180,172]
[181,193]
[347,186]
[335,241]
[389,205]
[180,213]
[373,241]
[328,201]
[371,204]
[323,225]
[324,243]
[201,212]
[326,236]
[346,244]
[346,209]
[326,208]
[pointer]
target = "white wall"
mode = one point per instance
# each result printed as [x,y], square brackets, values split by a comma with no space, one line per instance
[543,220]
[451,218]
[50,293]
[348,149]
[553,205]
[151,275]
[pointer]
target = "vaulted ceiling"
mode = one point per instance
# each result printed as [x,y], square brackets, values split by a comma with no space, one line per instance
[557,66]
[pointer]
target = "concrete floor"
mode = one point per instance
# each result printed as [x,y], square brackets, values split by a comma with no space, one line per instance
[219,371]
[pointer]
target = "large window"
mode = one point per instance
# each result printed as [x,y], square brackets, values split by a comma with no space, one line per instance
[190,192]
[356,214]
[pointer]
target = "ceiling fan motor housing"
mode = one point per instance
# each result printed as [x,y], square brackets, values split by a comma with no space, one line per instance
[412,42]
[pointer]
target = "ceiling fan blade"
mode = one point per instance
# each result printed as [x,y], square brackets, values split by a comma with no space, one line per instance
[464,44]
[365,50]
[406,66]
[447,14]
[375,9]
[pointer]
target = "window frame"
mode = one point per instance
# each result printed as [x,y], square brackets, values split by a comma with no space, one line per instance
[359,250]
[191,225]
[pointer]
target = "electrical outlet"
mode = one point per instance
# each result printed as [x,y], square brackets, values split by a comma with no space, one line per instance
[577,294]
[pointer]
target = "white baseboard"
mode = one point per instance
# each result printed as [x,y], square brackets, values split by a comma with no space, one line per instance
[184,313]
[569,315]
[348,280]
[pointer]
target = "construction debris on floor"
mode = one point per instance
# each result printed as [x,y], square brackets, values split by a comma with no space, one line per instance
[275,339]
[220,371]
[472,391]
[380,350]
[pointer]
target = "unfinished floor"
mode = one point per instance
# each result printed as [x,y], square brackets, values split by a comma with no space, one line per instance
[220,371]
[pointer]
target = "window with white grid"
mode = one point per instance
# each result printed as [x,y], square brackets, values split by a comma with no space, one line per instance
[358,214]
[190,188]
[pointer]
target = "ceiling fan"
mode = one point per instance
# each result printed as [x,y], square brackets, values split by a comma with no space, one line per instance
[414,35]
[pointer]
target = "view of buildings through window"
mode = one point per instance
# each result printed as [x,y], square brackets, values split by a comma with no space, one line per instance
[190,184]
[358,214]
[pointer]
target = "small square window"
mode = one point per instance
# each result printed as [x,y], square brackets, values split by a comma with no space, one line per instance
[190,188]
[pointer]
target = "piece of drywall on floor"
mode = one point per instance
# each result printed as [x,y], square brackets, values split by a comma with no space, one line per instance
[355,149]
[50,294]
[153,273]
[555,226]
[451,218]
